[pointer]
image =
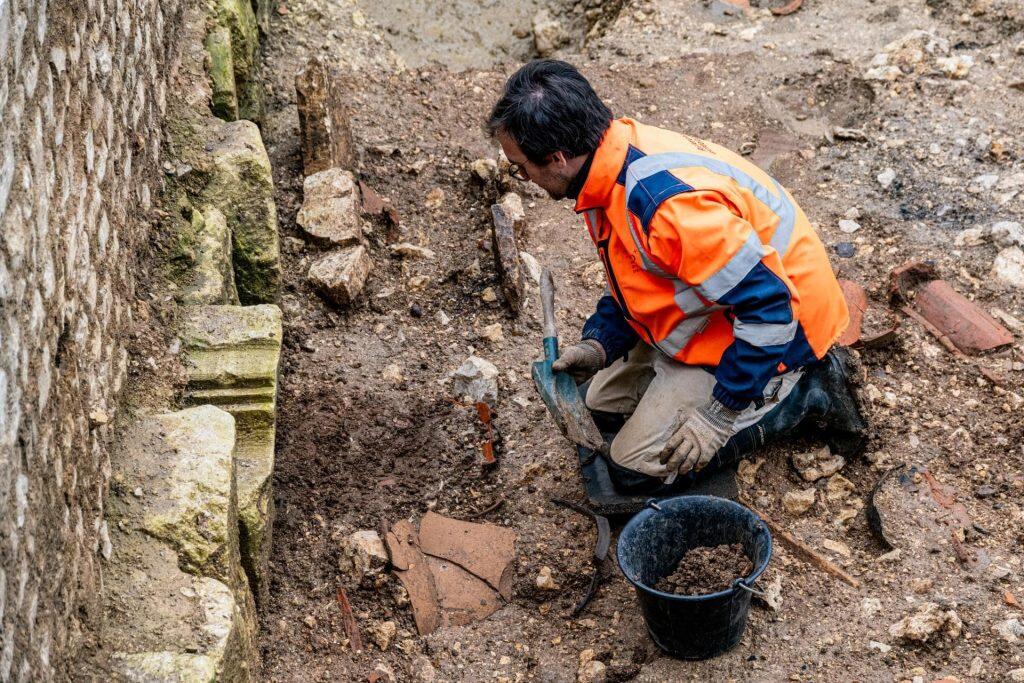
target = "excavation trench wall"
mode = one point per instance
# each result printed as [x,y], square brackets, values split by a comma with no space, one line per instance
[82,98]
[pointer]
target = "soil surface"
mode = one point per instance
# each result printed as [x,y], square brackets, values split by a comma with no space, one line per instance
[369,429]
[706,570]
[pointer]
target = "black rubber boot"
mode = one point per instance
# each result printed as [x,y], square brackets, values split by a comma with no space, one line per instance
[822,404]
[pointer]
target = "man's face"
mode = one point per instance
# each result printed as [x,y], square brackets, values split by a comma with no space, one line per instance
[553,176]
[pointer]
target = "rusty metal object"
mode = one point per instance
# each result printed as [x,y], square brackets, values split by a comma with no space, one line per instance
[959,325]
[483,411]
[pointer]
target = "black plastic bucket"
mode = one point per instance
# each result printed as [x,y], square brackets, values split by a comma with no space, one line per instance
[651,545]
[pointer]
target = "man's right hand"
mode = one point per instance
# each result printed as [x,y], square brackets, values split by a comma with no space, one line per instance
[581,360]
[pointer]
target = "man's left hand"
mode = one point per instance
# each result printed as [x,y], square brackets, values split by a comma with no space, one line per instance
[700,436]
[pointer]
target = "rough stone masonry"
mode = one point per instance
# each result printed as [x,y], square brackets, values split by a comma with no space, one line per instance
[82,96]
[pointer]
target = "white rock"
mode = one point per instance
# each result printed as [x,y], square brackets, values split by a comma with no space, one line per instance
[393,373]
[362,552]
[886,177]
[977,665]
[443,319]
[408,250]
[533,268]
[927,621]
[773,593]
[849,226]
[798,502]
[492,333]
[814,465]
[957,66]
[513,206]
[1008,233]
[548,33]
[423,670]
[478,379]
[869,607]
[1015,675]
[1009,630]
[838,488]
[592,672]
[983,183]
[485,170]
[853,213]
[330,208]
[545,580]
[883,73]
[340,275]
[881,647]
[382,633]
[971,237]
[838,547]
[1009,267]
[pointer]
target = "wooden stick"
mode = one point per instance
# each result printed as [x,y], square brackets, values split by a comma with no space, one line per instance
[943,339]
[807,552]
[355,641]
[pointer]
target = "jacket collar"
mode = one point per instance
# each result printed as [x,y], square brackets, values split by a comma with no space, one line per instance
[607,165]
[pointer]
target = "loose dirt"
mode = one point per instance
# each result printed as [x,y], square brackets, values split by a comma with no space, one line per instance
[358,446]
[706,570]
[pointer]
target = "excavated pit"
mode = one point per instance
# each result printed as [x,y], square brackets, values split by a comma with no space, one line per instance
[473,34]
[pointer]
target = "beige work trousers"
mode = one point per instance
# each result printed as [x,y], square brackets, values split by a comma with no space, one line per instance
[658,393]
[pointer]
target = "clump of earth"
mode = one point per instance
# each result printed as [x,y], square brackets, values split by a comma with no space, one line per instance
[707,569]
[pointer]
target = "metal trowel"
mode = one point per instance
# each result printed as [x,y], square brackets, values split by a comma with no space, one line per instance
[557,389]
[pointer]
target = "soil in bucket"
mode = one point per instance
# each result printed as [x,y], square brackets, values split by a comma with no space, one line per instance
[707,570]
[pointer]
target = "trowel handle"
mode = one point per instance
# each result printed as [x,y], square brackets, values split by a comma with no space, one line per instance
[547,301]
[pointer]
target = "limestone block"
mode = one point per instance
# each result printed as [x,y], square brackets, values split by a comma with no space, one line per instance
[330,208]
[231,359]
[216,652]
[242,187]
[238,17]
[178,601]
[211,277]
[193,506]
[341,275]
[222,73]
[326,137]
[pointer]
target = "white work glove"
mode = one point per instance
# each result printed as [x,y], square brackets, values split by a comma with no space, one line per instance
[701,435]
[581,360]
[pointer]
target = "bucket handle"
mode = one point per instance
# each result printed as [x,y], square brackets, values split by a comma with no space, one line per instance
[653,503]
[741,583]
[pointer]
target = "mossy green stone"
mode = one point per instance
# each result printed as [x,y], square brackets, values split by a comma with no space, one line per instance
[222,73]
[231,359]
[241,186]
[238,17]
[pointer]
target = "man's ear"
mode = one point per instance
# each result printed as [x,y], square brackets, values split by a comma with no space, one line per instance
[560,158]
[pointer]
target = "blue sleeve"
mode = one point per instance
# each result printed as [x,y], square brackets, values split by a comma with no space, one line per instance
[764,327]
[608,327]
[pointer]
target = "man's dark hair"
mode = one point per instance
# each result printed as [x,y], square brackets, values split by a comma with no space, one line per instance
[549,107]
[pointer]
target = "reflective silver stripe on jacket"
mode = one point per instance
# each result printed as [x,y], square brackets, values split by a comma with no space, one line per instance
[778,203]
[765,334]
[697,314]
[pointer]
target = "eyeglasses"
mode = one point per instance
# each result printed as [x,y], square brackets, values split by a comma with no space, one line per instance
[517,171]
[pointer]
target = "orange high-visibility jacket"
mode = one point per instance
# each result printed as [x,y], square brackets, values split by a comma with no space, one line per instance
[707,259]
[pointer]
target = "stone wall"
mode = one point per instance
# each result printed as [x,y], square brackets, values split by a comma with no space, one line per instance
[82,98]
